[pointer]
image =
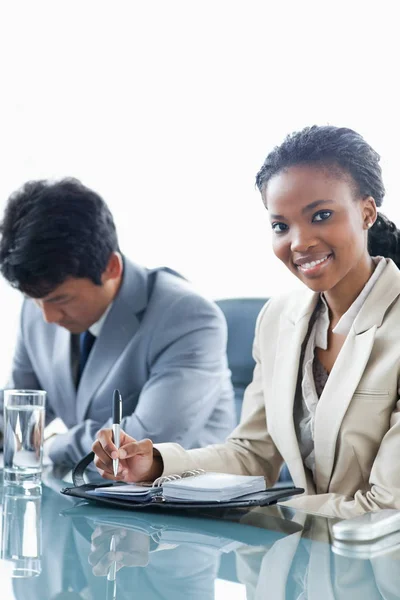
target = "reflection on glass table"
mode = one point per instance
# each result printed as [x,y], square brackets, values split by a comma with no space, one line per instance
[305,566]
[21,530]
[87,552]
[160,555]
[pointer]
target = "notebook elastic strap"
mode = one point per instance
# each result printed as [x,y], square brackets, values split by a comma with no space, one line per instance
[80,468]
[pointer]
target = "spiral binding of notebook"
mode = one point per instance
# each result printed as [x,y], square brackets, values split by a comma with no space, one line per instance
[163,479]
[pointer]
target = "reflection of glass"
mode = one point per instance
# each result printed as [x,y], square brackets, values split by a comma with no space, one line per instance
[23,435]
[21,530]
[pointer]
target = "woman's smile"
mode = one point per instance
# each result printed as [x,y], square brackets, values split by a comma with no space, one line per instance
[313,266]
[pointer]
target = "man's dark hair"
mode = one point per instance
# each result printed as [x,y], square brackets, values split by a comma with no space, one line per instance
[344,153]
[52,231]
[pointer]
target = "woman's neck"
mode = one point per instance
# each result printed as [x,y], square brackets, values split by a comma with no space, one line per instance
[342,296]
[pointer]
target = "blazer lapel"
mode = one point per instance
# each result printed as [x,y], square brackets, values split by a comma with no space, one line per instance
[292,331]
[118,330]
[335,399]
[347,372]
[62,374]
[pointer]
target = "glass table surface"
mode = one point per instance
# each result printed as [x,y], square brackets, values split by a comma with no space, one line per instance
[53,547]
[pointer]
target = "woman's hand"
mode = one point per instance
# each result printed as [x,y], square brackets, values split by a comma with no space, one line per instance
[138,461]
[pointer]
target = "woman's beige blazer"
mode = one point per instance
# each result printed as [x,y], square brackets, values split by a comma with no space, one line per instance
[357,422]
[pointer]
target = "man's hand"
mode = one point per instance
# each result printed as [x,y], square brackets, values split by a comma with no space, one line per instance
[138,461]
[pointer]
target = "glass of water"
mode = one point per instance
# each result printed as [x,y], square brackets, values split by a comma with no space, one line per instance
[23,436]
[21,539]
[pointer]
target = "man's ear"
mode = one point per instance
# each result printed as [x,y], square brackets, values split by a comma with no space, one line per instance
[113,269]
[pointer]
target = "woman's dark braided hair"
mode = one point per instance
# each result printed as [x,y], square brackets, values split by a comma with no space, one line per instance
[343,152]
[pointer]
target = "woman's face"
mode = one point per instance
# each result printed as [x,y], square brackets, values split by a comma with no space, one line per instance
[319,228]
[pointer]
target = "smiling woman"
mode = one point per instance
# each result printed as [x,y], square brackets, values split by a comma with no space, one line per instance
[322,242]
[322,187]
[324,396]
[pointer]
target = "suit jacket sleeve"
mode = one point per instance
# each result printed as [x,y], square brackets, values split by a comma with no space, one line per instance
[22,372]
[249,450]
[188,374]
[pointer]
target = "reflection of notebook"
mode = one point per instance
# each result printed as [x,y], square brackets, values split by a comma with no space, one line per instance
[173,529]
[175,536]
[191,486]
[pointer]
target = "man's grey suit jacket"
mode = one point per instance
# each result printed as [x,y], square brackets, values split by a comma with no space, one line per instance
[162,345]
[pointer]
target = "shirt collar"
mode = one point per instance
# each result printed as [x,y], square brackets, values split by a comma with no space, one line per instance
[346,321]
[96,328]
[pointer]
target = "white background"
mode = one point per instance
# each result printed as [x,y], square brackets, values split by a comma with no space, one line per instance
[168,108]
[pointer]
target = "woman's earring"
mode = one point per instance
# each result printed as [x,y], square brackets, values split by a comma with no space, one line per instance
[369,225]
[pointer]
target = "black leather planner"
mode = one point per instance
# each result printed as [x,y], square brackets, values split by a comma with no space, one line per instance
[84,491]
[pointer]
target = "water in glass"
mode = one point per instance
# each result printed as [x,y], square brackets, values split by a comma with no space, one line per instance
[23,447]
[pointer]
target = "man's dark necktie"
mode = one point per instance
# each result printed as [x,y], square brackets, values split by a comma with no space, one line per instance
[86,341]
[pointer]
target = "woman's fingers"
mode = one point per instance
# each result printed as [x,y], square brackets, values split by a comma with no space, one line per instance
[108,467]
[101,460]
[105,437]
[133,448]
[103,467]
[108,475]
[105,448]
[124,438]
[129,468]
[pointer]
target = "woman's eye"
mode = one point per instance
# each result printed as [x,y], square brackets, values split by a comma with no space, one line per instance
[322,215]
[279,227]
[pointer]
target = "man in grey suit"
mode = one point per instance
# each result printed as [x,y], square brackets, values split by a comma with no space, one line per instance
[93,321]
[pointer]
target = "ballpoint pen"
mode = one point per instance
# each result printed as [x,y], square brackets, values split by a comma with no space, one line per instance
[116,416]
